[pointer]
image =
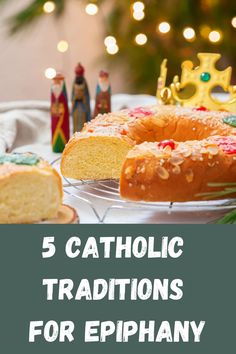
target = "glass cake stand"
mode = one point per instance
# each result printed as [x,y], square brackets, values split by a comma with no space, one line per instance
[103,198]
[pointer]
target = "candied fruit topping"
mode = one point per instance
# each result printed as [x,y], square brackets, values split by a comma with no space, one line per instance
[165,143]
[227,144]
[140,112]
[231,120]
[201,108]
[123,132]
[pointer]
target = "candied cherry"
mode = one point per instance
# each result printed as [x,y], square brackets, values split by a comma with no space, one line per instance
[201,108]
[123,132]
[165,143]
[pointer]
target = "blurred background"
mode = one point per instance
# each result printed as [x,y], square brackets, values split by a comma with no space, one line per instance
[128,38]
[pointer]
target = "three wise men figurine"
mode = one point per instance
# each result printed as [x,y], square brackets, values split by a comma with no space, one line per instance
[103,94]
[60,126]
[81,112]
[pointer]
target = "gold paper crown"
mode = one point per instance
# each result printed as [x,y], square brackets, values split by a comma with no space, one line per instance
[202,80]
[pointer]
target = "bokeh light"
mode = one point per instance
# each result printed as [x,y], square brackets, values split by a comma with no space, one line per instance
[138,15]
[233,22]
[164,27]
[91,9]
[50,73]
[141,39]
[49,7]
[204,31]
[215,36]
[189,34]
[62,46]
[138,6]
[113,49]
[109,41]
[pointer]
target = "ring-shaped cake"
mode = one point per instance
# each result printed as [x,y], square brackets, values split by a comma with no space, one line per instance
[159,153]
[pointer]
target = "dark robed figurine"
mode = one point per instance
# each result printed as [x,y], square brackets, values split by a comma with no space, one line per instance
[80,100]
[103,94]
[59,114]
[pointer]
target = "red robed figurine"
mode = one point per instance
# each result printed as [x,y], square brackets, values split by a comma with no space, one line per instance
[59,114]
[103,94]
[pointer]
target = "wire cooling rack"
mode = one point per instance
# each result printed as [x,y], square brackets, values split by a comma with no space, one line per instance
[107,191]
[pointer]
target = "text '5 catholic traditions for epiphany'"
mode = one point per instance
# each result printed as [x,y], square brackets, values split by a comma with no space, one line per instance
[116,289]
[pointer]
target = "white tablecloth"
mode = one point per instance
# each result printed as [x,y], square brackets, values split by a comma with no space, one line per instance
[25,126]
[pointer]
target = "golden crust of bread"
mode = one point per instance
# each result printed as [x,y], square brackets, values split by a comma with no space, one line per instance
[158,123]
[151,173]
[107,134]
[28,193]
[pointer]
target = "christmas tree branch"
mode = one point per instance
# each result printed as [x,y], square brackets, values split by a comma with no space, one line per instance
[31,13]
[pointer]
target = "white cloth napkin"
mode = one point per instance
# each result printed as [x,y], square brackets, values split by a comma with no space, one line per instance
[26,124]
[23,123]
